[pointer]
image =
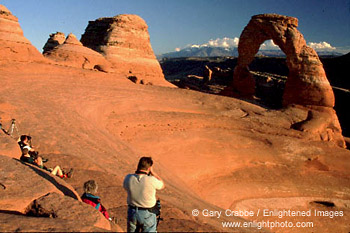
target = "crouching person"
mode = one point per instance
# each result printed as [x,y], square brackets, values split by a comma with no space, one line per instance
[141,188]
[89,197]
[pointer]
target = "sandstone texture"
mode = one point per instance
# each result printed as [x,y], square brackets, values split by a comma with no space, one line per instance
[250,157]
[29,191]
[8,145]
[21,184]
[307,84]
[55,40]
[125,42]
[213,152]
[13,45]
[73,53]
[62,207]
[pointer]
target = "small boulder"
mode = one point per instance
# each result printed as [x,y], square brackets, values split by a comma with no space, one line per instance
[57,206]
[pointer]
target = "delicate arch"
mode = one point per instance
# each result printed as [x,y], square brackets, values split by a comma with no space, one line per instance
[307,83]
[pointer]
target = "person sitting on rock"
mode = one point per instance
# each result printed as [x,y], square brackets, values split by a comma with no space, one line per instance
[37,161]
[89,197]
[24,142]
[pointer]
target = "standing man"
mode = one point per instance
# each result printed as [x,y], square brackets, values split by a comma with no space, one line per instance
[141,188]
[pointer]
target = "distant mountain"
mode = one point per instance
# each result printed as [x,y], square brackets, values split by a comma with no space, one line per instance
[202,52]
[229,52]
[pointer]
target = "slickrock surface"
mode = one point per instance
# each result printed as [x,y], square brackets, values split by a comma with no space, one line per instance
[23,223]
[13,45]
[307,84]
[21,184]
[54,40]
[73,53]
[124,40]
[8,146]
[62,207]
[213,152]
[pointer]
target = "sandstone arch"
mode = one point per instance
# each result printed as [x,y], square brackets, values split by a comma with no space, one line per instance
[307,84]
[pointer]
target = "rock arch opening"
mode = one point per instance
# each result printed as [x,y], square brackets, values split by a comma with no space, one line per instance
[306,84]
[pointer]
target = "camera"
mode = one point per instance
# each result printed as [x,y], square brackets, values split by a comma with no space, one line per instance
[34,154]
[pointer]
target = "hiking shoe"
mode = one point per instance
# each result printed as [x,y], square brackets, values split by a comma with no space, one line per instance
[44,159]
[113,220]
[70,173]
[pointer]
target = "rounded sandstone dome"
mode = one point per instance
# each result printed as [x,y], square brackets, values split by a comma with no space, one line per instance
[72,39]
[4,9]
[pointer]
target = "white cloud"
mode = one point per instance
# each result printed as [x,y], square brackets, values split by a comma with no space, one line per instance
[224,42]
[321,46]
[229,43]
[219,42]
[267,45]
[177,49]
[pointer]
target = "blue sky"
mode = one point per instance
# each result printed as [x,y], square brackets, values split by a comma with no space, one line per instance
[180,23]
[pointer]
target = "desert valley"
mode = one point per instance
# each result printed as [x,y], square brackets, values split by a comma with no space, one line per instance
[100,103]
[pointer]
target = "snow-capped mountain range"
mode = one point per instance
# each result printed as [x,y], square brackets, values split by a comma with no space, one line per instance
[228,47]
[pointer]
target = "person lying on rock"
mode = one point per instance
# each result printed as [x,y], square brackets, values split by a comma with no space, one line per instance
[89,197]
[24,142]
[37,161]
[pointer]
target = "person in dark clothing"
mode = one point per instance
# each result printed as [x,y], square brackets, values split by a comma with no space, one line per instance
[37,161]
[89,197]
[25,157]
[25,142]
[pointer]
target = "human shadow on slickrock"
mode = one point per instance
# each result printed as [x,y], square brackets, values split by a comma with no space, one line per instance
[11,212]
[66,191]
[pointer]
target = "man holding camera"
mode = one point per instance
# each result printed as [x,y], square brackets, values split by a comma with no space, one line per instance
[141,188]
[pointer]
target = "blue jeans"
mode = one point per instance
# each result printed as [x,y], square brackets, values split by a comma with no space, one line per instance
[141,220]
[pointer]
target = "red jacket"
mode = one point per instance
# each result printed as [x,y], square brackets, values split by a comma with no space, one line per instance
[95,201]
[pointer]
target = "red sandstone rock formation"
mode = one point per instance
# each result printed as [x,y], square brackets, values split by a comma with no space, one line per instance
[62,207]
[307,84]
[26,189]
[55,40]
[18,191]
[13,45]
[124,40]
[73,53]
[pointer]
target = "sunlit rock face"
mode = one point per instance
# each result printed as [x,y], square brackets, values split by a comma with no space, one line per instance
[125,42]
[13,45]
[307,84]
[73,53]
[54,40]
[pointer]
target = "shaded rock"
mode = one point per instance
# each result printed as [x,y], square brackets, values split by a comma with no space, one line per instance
[136,80]
[323,123]
[57,206]
[73,53]
[23,183]
[104,68]
[13,45]
[55,40]
[125,42]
